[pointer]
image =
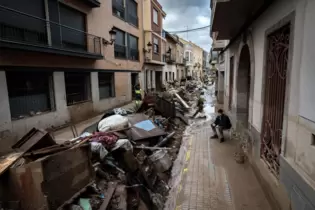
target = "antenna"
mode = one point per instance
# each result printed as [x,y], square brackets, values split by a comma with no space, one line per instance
[187,33]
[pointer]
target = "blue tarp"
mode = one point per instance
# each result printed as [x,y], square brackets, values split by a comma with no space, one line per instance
[146,125]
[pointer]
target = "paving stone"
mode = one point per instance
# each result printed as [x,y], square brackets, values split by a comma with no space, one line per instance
[207,184]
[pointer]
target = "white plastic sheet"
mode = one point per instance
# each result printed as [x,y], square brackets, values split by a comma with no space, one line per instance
[113,122]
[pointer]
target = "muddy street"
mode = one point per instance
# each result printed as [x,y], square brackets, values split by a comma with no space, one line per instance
[206,175]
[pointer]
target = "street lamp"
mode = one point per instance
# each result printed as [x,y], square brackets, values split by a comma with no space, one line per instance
[168,53]
[149,47]
[112,34]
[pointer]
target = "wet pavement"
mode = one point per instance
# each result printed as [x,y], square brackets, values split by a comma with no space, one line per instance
[206,176]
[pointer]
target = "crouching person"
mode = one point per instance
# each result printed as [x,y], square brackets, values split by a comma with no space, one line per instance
[221,123]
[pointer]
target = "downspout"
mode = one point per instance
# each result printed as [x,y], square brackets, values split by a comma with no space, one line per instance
[143,47]
[248,23]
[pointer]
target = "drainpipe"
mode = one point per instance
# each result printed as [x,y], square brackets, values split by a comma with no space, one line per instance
[249,22]
[143,47]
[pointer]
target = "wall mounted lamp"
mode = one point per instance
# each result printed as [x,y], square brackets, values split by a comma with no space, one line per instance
[148,49]
[112,34]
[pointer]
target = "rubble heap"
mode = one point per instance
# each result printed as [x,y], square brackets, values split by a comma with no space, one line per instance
[124,163]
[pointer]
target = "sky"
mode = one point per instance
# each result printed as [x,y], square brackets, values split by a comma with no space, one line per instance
[191,13]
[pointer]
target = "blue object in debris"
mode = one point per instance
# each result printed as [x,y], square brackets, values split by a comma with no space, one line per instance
[146,125]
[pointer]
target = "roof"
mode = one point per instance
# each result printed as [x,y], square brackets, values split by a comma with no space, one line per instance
[170,36]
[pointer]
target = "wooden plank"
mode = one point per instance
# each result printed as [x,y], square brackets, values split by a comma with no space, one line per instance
[182,101]
[8,160]
[108,195]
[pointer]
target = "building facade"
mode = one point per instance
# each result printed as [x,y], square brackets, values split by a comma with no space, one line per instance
[154,45]
[205,62]
[219,62]
[197,64]
[60,62]
[169,70]
[193,55]
[180,60]
[269,91]
[189,57]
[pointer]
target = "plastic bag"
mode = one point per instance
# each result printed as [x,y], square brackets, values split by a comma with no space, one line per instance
[97,147]
[113,122]
[123,143]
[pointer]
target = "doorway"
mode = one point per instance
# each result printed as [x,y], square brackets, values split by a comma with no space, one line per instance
[243,88]
[274,97]
[158,80]
[134,81]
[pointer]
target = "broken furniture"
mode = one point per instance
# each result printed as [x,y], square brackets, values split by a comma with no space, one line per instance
[48,182]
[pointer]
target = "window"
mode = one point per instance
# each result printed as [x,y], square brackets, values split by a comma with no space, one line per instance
[30,93]
[132,9]
[163,34]
[173,76]
[166,76]
[155,45]
[106,85]
[118,8]
[72,18]
[120,44]
[23,28]
[155,16]
[187,56]
[78,87]
[133,48]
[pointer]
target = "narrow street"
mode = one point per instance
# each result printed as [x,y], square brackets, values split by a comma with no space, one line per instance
[211,178]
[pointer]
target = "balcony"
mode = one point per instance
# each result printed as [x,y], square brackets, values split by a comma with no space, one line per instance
[26,32]
[228,17]
[93,3]
[171,59]
[218,45]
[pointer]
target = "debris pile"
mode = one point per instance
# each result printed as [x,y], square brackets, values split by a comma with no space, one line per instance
[124,163]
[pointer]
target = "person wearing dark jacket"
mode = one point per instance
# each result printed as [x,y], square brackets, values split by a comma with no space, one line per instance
[221,123]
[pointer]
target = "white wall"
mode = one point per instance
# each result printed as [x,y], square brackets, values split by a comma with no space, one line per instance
[307,93]
[299,119]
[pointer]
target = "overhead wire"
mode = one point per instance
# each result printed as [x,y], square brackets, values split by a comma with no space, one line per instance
[188,30]
[182,31]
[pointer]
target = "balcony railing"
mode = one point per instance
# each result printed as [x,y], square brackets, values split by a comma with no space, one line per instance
[171,59]
[28,32]
[120,51]
[133,54]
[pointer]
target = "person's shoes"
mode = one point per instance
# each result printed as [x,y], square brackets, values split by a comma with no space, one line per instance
[221,140]
[214,137]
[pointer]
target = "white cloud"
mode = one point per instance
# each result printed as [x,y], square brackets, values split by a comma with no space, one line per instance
[192,14]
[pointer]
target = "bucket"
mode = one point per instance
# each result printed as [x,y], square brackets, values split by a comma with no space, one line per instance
[161,161]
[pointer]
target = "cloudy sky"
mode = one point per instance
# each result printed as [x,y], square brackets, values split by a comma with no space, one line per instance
[191,13]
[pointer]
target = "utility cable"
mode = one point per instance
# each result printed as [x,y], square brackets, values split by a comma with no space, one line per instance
[184,31]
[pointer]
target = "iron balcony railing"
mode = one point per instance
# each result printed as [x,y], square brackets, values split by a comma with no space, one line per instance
[23,30]
[171,59]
